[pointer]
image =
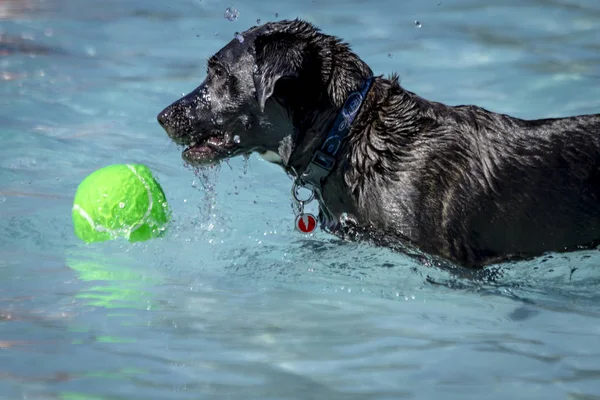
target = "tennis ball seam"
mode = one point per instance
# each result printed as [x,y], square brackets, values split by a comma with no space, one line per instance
[126,231]
[150,200]
[97,228]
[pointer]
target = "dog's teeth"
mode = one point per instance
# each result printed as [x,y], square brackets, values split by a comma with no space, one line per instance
[192,144]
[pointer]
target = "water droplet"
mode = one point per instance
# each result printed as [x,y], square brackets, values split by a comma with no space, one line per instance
[216,33]
[390,55]
[258,21]
[239,37]
[276,15]
[121,205]
[231,14]
[255,69]
[246,163]
[417,24]
[236,139]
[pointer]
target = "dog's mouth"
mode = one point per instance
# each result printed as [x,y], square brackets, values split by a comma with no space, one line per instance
[210,149]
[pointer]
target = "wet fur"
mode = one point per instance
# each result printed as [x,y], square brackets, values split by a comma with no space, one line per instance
[462,183]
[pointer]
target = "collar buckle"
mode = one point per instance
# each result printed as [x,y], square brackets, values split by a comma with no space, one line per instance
[318,168]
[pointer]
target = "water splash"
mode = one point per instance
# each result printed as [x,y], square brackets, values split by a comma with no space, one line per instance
[205,181]
[239,37]
[206,176]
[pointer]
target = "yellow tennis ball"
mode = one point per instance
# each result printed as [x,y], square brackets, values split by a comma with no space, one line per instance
[120,201]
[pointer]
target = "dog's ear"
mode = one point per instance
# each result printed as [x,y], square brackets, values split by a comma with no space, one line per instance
[277,57]
[264,83]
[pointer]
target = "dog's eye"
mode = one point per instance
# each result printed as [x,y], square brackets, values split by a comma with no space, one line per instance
[219,71]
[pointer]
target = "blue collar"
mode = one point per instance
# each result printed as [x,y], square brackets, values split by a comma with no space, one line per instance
[324,159]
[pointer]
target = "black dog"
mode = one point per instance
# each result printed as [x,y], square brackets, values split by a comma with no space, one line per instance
[463,183]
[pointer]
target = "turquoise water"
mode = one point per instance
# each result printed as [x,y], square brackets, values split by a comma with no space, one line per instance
[232,303]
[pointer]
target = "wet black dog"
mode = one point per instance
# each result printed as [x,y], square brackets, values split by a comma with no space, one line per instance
[463,183]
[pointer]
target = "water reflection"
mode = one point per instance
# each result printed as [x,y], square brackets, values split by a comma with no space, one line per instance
[112,284]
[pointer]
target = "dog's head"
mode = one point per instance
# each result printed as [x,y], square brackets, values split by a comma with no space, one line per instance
[225,116]
[229,113]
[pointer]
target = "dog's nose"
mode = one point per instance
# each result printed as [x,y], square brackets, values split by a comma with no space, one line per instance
[162,117]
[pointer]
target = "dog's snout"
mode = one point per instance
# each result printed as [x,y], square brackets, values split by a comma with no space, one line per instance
[184,118]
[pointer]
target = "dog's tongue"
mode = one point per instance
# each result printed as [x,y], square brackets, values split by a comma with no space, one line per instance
[211,144]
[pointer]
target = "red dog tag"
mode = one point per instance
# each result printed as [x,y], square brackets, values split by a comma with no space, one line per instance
[306,223]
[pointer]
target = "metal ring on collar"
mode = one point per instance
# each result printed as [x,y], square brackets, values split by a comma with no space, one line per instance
[295,193]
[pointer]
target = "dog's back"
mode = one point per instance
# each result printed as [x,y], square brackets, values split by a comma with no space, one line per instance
[483,186]
[543,187]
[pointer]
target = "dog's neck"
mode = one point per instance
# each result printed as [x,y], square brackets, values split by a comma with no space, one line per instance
[307,121]
[312,116]
[310,131]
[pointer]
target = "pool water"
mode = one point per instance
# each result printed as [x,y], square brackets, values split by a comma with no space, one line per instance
[232,303]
